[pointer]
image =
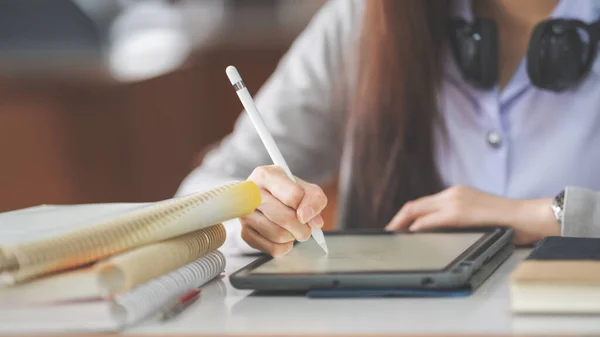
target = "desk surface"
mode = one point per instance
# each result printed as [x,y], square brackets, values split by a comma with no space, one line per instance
[484,312]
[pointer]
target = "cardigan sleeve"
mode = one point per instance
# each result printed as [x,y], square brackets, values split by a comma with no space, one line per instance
[297,105]
[581,216]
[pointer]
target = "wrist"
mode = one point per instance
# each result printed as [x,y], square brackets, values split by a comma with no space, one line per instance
[534,219]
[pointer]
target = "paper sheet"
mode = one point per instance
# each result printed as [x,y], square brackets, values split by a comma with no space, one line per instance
[45,221]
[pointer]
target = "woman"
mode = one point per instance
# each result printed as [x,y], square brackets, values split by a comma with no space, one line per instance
[384,93]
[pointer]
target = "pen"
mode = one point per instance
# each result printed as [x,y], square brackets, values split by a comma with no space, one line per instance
[266,137]
[179,305]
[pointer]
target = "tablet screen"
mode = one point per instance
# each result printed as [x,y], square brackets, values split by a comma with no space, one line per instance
[408,252]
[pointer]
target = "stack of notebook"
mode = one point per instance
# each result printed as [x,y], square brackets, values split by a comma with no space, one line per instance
[560,276]
[103,267]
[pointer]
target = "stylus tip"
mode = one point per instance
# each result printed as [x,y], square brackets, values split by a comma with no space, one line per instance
[324,246]
[320,239]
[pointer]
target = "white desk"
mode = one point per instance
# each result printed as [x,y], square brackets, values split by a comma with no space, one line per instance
[484,312]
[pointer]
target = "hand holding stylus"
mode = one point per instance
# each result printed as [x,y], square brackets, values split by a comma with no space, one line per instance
[289,211]
[291,207]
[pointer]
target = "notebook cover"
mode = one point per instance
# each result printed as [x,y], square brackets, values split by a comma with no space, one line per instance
[566,248]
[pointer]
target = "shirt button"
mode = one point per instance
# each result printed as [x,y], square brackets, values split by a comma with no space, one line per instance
[494,139]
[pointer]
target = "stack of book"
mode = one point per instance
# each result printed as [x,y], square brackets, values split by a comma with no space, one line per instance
[104,267]
[560,276]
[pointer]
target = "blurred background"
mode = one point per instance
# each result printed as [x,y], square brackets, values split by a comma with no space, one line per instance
[117,100]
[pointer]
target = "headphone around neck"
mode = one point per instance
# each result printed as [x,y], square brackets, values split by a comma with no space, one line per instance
[560,52]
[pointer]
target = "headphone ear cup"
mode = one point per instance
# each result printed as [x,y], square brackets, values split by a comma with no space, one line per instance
[488,52]
[535,55]
[475,51]
[557,57]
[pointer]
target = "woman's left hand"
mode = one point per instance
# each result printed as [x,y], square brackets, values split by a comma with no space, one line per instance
[461,206]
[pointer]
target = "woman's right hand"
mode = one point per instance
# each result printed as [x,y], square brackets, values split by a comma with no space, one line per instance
[287,212]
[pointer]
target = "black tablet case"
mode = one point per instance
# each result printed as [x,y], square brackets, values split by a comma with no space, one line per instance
[482,274]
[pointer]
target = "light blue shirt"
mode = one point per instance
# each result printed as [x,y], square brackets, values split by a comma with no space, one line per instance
[547,140]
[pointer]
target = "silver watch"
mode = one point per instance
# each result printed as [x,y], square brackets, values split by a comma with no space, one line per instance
[558,206]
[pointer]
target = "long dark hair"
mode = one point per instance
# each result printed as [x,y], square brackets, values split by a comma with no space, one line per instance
[394,108]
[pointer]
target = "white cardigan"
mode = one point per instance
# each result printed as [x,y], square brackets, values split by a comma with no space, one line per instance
[299,106]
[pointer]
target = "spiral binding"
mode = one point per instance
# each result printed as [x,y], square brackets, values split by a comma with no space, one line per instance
[147,262]
[152,224]
[150,297]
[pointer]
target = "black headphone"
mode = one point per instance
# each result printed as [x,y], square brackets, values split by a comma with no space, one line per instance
[560,52]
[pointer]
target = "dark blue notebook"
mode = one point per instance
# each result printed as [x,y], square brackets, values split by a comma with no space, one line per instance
[566,248]
[559,276]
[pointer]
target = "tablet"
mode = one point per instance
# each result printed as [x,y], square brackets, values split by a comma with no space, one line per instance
[435,259]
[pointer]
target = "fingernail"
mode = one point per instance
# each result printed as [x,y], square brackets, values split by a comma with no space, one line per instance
[413,228]
[303,239]
[306,214]
[316,222]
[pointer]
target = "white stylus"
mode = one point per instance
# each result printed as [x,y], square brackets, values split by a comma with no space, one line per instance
[265,136]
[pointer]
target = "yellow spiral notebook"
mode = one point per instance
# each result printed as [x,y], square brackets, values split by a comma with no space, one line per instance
[42,241]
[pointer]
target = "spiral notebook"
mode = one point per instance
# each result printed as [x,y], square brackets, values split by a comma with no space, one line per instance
[139,304]
[118,274]
[45,240]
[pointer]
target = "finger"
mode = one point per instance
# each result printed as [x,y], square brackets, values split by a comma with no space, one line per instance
[413,210]
[316,222]
[433,220]
[283,216]
[313,202]
[268,229]
[256,241]
[273,179]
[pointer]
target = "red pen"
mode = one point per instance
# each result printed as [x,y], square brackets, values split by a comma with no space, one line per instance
[179,305]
